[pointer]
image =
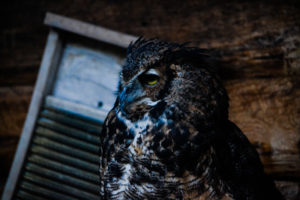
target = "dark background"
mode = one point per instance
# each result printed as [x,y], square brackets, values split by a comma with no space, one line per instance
[259,42]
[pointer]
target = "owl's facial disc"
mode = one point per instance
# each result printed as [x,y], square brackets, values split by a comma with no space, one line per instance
[138,95]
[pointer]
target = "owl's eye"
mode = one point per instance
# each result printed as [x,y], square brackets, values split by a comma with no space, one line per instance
[149,79]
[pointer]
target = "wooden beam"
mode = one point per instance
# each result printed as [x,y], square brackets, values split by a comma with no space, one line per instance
[88,30]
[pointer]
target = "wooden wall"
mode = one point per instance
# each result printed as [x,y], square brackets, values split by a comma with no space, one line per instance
[259,42]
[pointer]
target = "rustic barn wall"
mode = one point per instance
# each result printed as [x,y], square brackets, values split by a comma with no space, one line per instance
[259,42]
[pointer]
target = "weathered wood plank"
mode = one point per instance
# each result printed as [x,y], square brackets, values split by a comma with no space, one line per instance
[65,149]
[89,30]
[268,112]
[282,166]
[60,177]
[48,133]
[48,193]
[18,75]
[63,158]
[69,119]
[14,103]
[8,147]
[84,72]
[56,166]
[27,196]
[57,186]
[69,131]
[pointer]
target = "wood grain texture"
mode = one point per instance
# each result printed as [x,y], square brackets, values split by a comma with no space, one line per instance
[7,151]
[268,112]
[14,103]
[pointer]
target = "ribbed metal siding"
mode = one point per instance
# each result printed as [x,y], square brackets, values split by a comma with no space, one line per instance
[62,162]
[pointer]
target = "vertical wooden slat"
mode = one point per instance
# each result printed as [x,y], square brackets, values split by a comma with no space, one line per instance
[45,78]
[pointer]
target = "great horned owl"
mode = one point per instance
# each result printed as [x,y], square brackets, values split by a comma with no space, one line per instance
[168,135]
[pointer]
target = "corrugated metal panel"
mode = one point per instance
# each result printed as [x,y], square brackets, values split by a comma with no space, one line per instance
[62,162]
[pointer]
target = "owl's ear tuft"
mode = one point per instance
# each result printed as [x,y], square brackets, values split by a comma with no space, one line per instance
[134,44]
[143,44]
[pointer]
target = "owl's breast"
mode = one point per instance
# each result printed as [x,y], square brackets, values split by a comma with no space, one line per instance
[132,169]
[151,160]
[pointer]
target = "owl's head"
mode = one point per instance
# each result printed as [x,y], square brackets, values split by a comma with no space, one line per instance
[167,77]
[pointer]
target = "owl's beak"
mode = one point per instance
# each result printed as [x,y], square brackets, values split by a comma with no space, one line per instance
[128,96]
